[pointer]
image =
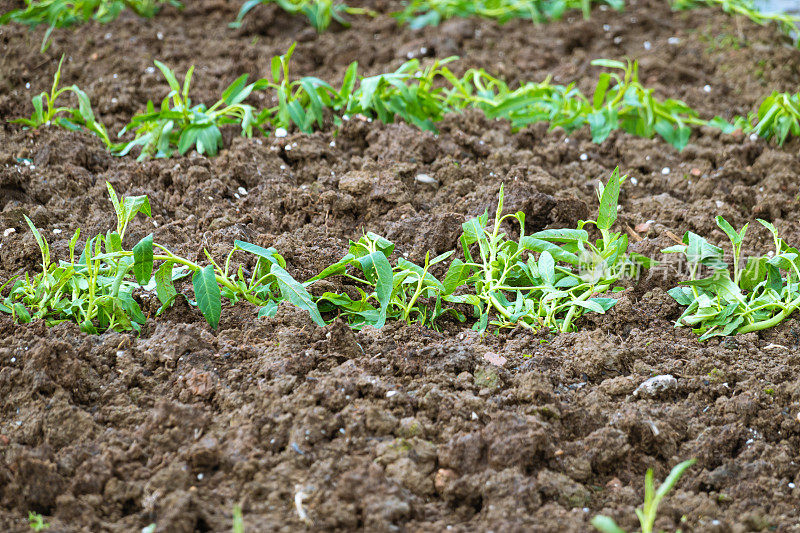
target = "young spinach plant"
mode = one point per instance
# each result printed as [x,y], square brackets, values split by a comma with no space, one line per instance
[178,125]
[734,300]
[46,111]
[320,13]
[511,286]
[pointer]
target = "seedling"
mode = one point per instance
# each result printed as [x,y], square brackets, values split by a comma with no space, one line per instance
[652,499]
[551,290]
[64,13]
[421,13]
[46,111]
[37,522]
[736,300]
[788,23]
[405,292]
[319,12]
[97,290]
[778,116]
[180,126]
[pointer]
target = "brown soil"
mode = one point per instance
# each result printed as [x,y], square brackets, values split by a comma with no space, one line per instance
[398,429]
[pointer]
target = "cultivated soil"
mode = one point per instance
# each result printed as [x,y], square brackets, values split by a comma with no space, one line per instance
[403,428]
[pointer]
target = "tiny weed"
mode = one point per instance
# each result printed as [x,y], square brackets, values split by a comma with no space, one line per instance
[652,498]
[746,8]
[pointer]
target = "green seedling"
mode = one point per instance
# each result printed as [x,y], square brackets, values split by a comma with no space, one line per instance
[65,13]
[788,23]
[778,116]
[319,12]
[420,13]
[404,292]
[734,300]
[37,522]
[628,105]
[97,290]
[652,498]
[179,126]
[546,279]
[238,520]
[46,111]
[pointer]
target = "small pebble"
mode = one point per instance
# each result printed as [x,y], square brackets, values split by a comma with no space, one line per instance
[391,393]
[791,485]
[426,179]
[28,85]
[160,36]
[753,137]
[281,132]
[655,385]
[673,40]
[56,231]
[707,88]
[332,144]
[665,170]
[474,415]
[8,232]
[242,191]
[200,477]
[287,147]
[647,45]
[606,27]
[634,181]
[584,157]
[617,40]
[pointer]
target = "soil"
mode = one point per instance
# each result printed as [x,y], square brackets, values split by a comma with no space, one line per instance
[402,428]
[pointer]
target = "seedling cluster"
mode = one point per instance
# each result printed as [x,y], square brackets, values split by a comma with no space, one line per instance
[547,279]
[415,94]
[736,299]
[65,13]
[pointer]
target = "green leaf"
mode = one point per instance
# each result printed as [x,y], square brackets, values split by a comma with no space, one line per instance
[604,524]
[143,260]
[608,201]
[546,267]
[165,289]
[208,295]
[296,293]
[377,268]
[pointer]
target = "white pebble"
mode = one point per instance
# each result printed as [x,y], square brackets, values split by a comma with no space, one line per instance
[707,88]
[606,27]
[332,144]
[753,137]
[28,85]
[647,45]
[791,485]
[160,36]
[584,157]
[391,393]
[617,40]
[474,415]
[665,170]
[566,141]
[200,477]
[634,181]
[13,359]
[287,147]
[426,179]
[281,132]
[242,191]
[56,231]
[656,384]
[283,167]
[9,231]
[673,40]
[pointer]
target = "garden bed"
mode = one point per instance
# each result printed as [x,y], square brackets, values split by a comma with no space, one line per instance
[402,428]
